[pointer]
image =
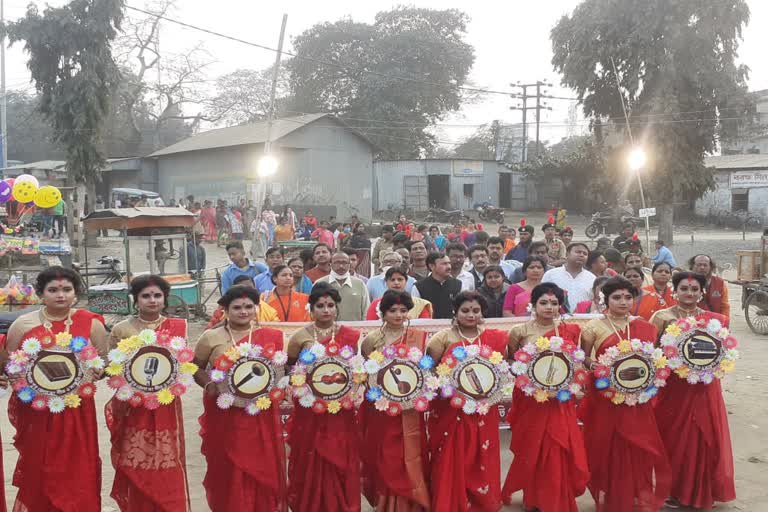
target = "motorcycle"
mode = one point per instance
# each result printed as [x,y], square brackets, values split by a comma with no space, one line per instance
[607,222]
[450,216]
[487,212]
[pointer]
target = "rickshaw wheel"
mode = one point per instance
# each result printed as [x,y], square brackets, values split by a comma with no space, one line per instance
[177,307]
[756,311]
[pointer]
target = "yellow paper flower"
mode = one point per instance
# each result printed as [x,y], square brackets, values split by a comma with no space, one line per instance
[114,369]
[165,397]
[540,395]
[496,358]
[674,330]
[376,356]
[542,343]
[727,365]
[333,406]
[625,346]
[298,379]
[443,370]
[359,378]
[190,368]
[683,372]
[618,398]
[130,344]
[63,339]
[661,362]
[233,354]
[263,403]
[72,400]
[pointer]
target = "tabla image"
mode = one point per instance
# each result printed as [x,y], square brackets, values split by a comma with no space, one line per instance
[330,379]
[250,378]
[632,373]
[551,370]
[700,350]
[475,377]
[151,369]
[400,380]
[58,373]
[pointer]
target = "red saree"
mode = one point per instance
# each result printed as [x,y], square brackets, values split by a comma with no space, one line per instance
[550,462]
[245,454]
[208,220]
[466,462]
[627,461]
[59,468]
[148,450]
[324,462]
[394,453]
[693,423]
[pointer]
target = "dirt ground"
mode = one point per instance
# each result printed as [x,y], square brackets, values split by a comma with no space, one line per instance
[745,390]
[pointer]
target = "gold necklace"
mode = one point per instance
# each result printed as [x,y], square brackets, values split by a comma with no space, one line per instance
[615,330]
[471,340]
[232,336]
[318,333]
[686,312]
[151,324]
[48,320]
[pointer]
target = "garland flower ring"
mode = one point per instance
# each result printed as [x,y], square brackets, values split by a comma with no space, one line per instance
[699,350]
[150,369]
[400,379]
[55,375]
[251,377]
[631,372]
[473,378]
[327,378]
[550,368]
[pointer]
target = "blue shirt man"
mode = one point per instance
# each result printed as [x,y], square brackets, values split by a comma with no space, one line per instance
[274,258]
[241,266]
[663,254]
[520,251]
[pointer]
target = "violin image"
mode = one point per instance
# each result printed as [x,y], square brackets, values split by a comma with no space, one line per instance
[332,378]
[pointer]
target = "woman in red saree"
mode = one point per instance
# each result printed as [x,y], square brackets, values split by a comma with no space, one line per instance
[692,418]
[466,462]
[550,463]
[627,461]
[324,463]
[394,450]
[208,220]
[148,445]
[59,468]
[245,454]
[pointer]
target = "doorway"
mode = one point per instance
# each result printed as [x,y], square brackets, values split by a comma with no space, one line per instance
[505,190]
[438,190]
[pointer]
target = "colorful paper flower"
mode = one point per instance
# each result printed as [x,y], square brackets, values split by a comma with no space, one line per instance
[459,353]
[298,379]
[280,358]
[31,346]
[581,376]
[77,344]
[486,351]
[568,346]
[116,356]
[663,373]
[371,366]
[393,409]
[470,407]
[19,357]
[401,351]
[670,351]
[602,383]
[47,342]
[618,398]
[163,339]
[346,352]
[40,403]
[307,357]
[254,350]
[217,375]
[727,365]
[56,405]
[114,369]
[483,407]
[555,343]
[147,336]
[496,358]
[124,393]
[563,395]
[185,355]
[89,353]
[518,368]
[426,362]
[178,343]
[457,402]
[334,406]
[190,368]
[522,381]
[661,362]
[373,394]
[165,396]
[624,346]
[263,402]
[523,356]
[443,370]
[421,404]
[541,395]
[683,372]
[730,342]
[601,371]
[63,339]
[277,394]
[252,409]
[136,400]
[331,350]
[449,361]
[87,390]
[306,401]
[225,400]
[72,400]
[347,403]
[674,330]
[707,377]
[319,407]
[542,343]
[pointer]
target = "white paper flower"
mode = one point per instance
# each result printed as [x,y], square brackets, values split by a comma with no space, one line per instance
[723,333]
[186,380]
[648,349]
[357,361]
[217,375]
[414,355]
[124,393]
[255,351]
[636,345]
[432,382]
[519,368]
[732,354]
[631,400]
[346,352]
[31,346]
[529,348]
[714,326]
[178,343]
[657,354]
[318,349]
[244,349]
[429,395]
[707,378]
[300,391]
[503,366]
[96,363]
[555,342]
[659,383]
[529,390]
[148,336]
[279,358]
[252,409]
[12,368]
[116,356]
[371,366]
[470,406]
[613,352]
[307,401]
[56,405]
[693,378]
[225,400]
[574,388]
[381,404]
[675,363]
[605,359]
[578,355]
[643,397]
[472,350]
[667,340]
[483,408]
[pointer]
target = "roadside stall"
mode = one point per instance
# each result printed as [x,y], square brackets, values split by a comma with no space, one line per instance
[752,276]
[155,242]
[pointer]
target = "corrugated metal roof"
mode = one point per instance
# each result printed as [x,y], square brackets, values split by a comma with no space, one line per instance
[254,133]
[56,165]
[141,211]
[725,162]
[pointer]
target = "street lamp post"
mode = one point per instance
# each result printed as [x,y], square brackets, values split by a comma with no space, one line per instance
[637,161]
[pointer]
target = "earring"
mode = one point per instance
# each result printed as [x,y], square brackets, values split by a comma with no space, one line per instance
[674,296]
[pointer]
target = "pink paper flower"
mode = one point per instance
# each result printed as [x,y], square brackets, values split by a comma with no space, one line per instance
[178,389]
[89,352]
[663,373]
[486,351]
[185,355]
[151,402]
[522,356]
[421,404]
[522,381]
[671,351]
[730,343]
[87,390]
[116,381]
[457,402]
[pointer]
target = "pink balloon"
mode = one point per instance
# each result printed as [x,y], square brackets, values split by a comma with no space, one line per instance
[10,181]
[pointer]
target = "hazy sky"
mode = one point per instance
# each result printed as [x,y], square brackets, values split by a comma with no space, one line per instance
[511,41]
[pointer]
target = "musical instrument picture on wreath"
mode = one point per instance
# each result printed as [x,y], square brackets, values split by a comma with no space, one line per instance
[251,378]
[701,350]
[631,373]
[330,379]
[400,380]
[151,369]
[56,373]
[476,378]
[551,370]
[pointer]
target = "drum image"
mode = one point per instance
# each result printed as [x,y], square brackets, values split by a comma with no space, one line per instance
[632,373]
[701,350]
[476,378]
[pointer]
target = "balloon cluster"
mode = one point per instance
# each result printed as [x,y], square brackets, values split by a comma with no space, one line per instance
[26,189]
[18,293]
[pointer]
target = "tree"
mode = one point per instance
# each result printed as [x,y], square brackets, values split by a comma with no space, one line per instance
[29,134]
[391,79]
[675,65]
[243,96]
[489,142]
[70,59]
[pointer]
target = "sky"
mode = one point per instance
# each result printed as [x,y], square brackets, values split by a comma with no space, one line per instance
[511,42]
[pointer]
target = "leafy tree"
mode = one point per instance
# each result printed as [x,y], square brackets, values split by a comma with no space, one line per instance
[355,70]
[243,96]
[29,135]
[676,68]
[489,142]
[70,59]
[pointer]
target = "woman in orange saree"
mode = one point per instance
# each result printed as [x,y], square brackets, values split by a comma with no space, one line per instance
[324,462]
[59,468]
[466,461]
[245,453]
[550,462]
[394,450]
[627,460]
[148,445]
[692,418]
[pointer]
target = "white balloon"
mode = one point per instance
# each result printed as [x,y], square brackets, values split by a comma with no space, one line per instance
[28,177]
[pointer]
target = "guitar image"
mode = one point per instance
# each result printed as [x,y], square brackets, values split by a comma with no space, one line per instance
[403,387]
[150,369]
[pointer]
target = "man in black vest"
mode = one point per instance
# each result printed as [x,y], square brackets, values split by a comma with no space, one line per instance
[439,287]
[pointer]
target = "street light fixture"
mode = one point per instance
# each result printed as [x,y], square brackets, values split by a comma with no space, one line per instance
[267,166]
[636,161]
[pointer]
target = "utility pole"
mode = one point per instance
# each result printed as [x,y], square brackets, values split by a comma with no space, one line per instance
[525,108]
[3,106]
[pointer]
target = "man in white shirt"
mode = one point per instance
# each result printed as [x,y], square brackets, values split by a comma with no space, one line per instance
[354,294]
[457,253]
[573,277]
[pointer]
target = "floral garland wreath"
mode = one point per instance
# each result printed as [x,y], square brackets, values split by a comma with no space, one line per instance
[380,364]
[268,361]
[149,347]
[629,358]
[569,357]
[454,366]
[22,367]
[684,338]
[341,358]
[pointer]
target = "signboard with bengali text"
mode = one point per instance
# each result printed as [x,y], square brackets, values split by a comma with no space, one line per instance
[749,179]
